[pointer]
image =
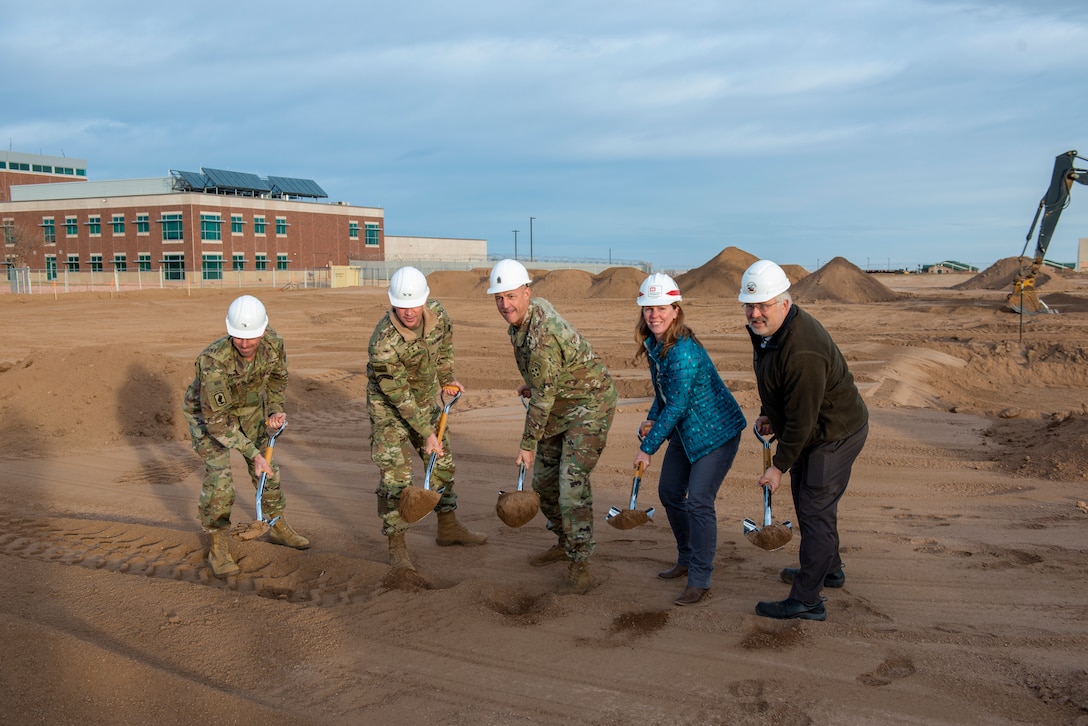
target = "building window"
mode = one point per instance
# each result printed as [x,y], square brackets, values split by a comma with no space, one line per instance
[118,223]
[120,262]
[261,262]
[94,225]
[237,262]
[96,263]
[50,267]
[212,267]
[372,231]
[143,262]
[281,262]
[73,263]
[281,226]
[9,232]
[173,266]
[71,226]
[237,226]
[172,229]
[259,224]
[211,229]
[143,224]
[353,230]
[49,229]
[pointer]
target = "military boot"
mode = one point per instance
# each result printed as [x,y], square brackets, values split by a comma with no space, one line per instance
[219,559]
[451,532]
[283,534]
[398,552]
[555,553]
[577,581]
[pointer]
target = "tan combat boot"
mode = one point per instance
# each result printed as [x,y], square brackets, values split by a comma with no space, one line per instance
[577,582]
[451,532]
[555,553]
[219,559]
[283,534]
[398,552]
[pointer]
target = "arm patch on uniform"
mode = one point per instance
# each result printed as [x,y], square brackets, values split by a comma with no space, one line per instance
[218,393]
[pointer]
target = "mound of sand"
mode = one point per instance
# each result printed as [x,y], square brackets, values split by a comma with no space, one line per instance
[842,281]
[455,283]
[563,284]
[719,277]
[617,282]
[1001,274]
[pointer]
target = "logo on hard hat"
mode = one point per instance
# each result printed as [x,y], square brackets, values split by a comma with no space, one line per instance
[750,286]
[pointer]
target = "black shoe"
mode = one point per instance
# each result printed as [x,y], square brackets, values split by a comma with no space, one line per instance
[833,579]
[673,572]
[790,608]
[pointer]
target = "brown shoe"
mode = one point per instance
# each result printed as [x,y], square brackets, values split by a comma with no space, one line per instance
[693,596]
[555,553]
[673,572]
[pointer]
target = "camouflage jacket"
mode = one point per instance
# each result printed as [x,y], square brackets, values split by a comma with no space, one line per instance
[568,382]
[407,368]
[228,390]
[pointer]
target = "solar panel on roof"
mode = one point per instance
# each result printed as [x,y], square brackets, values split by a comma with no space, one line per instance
[297,187]
[239,180]
[195,180]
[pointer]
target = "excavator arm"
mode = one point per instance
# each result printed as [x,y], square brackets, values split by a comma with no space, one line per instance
[1024,298]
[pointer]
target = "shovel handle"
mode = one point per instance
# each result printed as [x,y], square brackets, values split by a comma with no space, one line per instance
[767,506]
[272,442]
[521,477]
[441,431]
[635,484]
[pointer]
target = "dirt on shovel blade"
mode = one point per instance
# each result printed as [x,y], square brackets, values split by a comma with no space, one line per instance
[253,530]
[770,537]
[517,508]
[415,503]
[629,519]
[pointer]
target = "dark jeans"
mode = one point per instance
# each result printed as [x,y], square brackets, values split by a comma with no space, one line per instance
[818,481]
[687,491]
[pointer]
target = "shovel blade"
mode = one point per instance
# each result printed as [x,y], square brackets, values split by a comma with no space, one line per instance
[612,512]
[416,503]
[750,527]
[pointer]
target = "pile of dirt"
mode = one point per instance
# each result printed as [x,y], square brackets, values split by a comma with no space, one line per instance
[1001,274]
[455,283]
[842,281]
[719,277]
[617,282]
[1056,450]
[563,284]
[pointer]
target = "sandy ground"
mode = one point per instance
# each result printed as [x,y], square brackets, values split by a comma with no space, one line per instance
[966,599]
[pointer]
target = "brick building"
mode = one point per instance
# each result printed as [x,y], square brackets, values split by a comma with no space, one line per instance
[206,225]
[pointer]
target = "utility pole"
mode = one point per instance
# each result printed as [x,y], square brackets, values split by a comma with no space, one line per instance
[515,244]
[531,238]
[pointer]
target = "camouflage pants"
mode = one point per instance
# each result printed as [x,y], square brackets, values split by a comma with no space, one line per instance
[391,443]
[217,491]
[561,478]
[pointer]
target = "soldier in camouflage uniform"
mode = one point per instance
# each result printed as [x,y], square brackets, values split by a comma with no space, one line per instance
[571,403]
[235,397]
[410,361]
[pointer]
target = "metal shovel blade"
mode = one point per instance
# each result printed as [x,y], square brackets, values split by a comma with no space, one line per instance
[630,518]
[517,508]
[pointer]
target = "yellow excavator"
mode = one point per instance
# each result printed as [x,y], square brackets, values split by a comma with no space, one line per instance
[1024,298]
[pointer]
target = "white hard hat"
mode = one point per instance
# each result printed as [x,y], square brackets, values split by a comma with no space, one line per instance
[246,318]
[658,289]
[408,288]
[508,275]
[763,281]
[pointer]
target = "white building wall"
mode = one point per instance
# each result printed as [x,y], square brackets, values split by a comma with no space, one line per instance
[433,249]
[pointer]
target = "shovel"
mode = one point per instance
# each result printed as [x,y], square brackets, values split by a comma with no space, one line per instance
[771,536]
[518,507]
[416,503]
[630,518]
[261,525]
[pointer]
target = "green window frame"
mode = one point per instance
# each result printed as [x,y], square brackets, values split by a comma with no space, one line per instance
[372,230]
[118,222]
[238,262]
[96,263]
[211,266]
[237,224]
[173,266]
[94,225]
[281,226]
[281,261]
[211,229]
[353,230]
[143,224]
[120,262]
[49,230]
[72,265]
[143,262]
[260,261]
[259,224]
[50,267]
[9,232]
[173,229]
[71,226]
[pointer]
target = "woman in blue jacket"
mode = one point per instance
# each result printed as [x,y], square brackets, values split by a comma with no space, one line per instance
[702,422]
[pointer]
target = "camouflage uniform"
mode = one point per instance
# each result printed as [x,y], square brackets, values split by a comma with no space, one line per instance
[570,412]
[226,406]
[406,370]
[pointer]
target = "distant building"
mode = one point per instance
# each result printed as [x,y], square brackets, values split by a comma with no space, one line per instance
[205,223]
[948,266]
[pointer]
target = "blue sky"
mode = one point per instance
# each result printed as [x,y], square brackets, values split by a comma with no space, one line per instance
[894,132]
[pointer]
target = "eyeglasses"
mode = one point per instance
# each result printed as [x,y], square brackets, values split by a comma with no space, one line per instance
[759,307]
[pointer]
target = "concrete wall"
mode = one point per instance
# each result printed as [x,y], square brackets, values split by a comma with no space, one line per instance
[419,249]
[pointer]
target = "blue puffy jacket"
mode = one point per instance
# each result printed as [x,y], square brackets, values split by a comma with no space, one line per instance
[690,399]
